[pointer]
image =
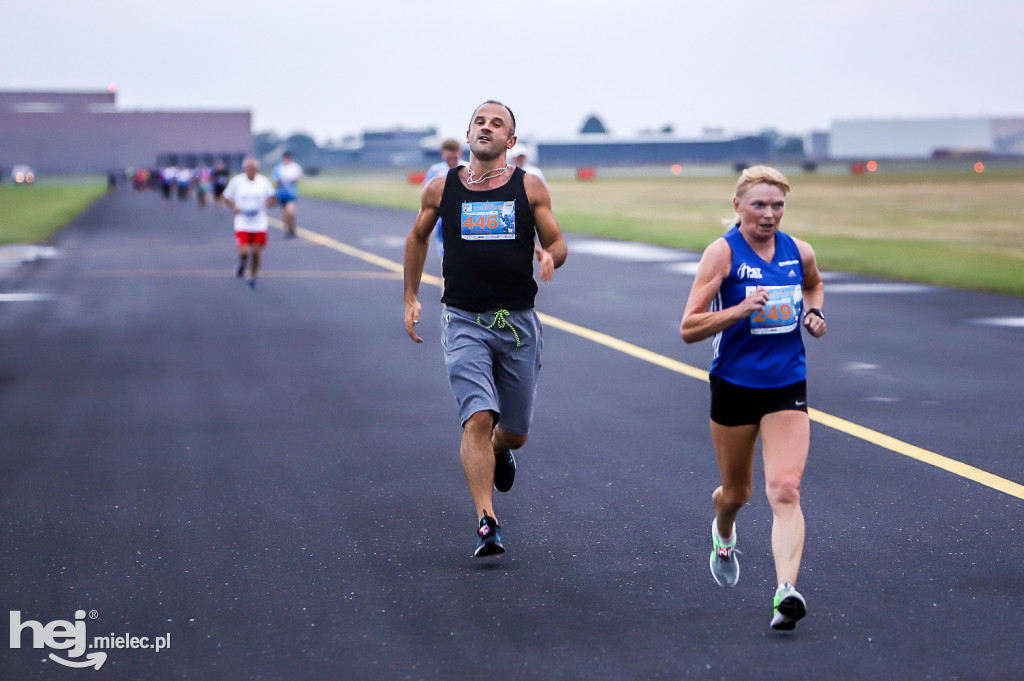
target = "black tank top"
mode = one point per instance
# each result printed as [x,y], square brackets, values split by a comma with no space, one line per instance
[488,246]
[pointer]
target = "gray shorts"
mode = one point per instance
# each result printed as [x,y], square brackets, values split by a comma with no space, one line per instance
[493,362]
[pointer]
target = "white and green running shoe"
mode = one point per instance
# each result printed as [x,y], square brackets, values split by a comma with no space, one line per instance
[789,608]
[725,565]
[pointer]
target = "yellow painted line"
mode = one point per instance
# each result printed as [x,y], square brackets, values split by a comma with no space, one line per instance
[274,274]
[848,427]
[624,347]
[365,256]
[923,455]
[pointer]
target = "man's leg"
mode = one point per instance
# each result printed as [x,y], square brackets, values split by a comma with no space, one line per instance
[477,456]
[503,443]
[288,212]
[468,358]
[502,440]
[256,252]
[243,258]
[516,373]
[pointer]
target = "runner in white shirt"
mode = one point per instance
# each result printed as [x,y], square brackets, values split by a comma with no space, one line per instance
[519,155]
[184,179]
[168,178]
[287,174]
[249,195]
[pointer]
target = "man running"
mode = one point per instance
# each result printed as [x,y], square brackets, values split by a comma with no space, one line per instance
[184,180]
[249,195]
[287,174]
[221,176]
[490,214]
[168,179]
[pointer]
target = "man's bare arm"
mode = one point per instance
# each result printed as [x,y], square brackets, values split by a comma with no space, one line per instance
[416,246]
[553,250]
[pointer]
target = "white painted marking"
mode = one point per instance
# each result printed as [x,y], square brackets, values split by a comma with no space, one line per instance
[881,399]
[860,366]
[687,268]
[1009,322]
[878,288]
[23,297]
[629,250]
[40,253]
[385,241]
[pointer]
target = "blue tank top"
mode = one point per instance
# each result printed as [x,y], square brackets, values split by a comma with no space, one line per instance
[765,350]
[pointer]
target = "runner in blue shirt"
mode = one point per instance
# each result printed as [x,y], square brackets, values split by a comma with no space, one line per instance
[287,174]
[755,288]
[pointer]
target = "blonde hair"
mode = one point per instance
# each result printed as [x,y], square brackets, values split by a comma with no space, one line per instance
[451,144]
[761,175]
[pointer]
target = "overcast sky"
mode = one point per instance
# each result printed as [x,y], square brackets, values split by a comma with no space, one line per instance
[337,67]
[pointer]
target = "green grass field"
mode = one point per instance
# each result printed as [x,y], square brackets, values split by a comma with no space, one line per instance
[951,229]
[956,229]
[33,214]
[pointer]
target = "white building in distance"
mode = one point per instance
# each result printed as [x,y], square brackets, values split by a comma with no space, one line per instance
[911,138]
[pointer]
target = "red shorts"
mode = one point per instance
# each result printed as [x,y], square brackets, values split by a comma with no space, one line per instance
[246,238]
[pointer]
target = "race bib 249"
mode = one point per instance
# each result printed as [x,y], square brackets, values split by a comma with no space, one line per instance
[781,313]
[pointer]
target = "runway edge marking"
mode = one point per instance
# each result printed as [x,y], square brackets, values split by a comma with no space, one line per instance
[842,425]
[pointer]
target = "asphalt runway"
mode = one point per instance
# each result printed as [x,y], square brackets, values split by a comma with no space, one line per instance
[270,478]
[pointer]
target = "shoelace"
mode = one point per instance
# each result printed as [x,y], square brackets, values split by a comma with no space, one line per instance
[501,322]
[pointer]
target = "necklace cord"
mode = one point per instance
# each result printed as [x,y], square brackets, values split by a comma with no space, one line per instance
[486,176]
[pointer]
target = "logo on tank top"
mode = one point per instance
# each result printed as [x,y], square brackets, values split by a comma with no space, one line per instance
[745,271]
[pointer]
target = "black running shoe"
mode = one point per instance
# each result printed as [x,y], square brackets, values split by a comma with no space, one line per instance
[488,538]
[251,283]
[504,470]
[240,270]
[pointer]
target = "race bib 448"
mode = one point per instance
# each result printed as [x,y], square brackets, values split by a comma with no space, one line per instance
[488,220]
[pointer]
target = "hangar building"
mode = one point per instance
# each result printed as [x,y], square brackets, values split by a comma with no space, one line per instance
[909,138]
[593,150]
[85,132]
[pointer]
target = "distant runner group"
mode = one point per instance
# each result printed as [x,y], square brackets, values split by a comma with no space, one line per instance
[248,195]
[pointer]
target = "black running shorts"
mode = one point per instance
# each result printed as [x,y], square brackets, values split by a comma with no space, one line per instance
[733,405]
